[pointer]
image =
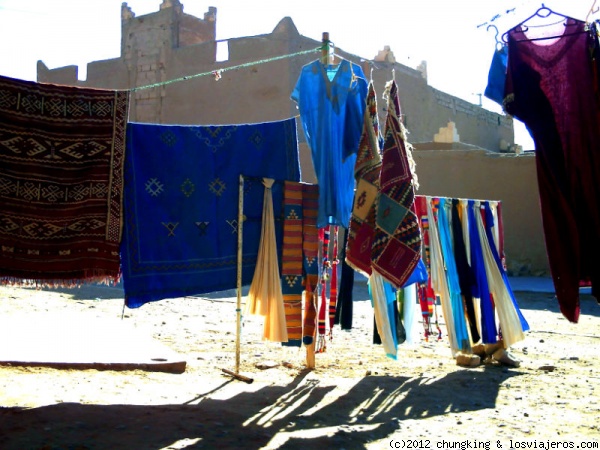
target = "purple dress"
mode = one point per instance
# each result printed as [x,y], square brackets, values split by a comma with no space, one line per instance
[551,87]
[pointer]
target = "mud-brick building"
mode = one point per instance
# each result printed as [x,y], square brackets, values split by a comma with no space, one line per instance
[462,149]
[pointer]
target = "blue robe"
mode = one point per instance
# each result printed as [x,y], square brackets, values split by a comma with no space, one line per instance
[332,100]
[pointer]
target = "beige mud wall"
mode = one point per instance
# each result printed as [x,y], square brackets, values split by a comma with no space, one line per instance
[490,176]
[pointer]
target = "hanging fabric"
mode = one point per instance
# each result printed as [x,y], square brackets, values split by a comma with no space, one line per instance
[492,220]
[396,248]
[333,289]
[410,313]
[463,269]
[494,89]
[463,340]
[331,100]
[325,273]
[439,282]
[62,151]
[427,298]
[265,296]
[481,289]
[291,262]
[310,260]
[181,204]
[366,172]
[384,300]
[511,328]
[551,87]
[344,306]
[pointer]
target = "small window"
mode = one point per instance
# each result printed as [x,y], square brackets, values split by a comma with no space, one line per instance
[222,51]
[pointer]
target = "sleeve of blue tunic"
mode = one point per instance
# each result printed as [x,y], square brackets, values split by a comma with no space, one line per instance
[355,107]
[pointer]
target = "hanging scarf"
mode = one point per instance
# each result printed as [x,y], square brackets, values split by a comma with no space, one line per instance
[343,309]
[291,265]
[325,274]
[265,297]
[481,290]
[333,288]
[425,290]
[439,281]
[310,262]
[458,312]
[465,275]
[512,322]
[384,300]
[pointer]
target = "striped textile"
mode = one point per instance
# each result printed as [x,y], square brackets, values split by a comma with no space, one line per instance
[324,241]
[310,262]
[291,272]
[333,287]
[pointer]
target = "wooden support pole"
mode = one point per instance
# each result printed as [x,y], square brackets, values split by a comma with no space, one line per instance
[326,49]
[238,376]
[238,309]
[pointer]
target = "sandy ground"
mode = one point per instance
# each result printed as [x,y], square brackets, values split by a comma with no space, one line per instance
[356,398]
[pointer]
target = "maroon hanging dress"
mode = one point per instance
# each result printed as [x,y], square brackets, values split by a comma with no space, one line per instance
[551,87]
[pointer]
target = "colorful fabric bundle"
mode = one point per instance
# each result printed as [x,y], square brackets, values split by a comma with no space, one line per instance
[512,330]
[396,246]
[455,299]
[291,271]
[439,281]
[481,289]
[366,172]
[181,202]
[463,269]
[61,182]
[506,303]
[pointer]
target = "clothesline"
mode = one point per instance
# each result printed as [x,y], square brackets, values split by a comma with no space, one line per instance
[457,198]
[217,72]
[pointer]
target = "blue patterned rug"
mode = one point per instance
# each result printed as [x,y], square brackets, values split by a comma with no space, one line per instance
[181,204]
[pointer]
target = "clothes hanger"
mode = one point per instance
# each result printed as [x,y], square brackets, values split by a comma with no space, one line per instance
[542,12]
[499,43]
[593,10]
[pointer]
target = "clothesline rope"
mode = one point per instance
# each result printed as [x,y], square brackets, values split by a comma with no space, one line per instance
[225,69]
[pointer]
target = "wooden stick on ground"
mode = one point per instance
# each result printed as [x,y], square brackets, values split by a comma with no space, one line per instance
[238,376]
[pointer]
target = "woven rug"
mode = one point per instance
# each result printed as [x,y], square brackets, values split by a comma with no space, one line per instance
[366,173]
[396,246]
[61,182]
[181,197]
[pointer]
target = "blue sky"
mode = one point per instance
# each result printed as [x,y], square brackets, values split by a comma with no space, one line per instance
[449,35]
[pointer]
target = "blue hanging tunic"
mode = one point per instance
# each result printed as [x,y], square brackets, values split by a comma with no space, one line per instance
[332,100]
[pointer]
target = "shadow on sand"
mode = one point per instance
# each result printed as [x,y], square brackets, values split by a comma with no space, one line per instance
[540,301]
[291,416]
